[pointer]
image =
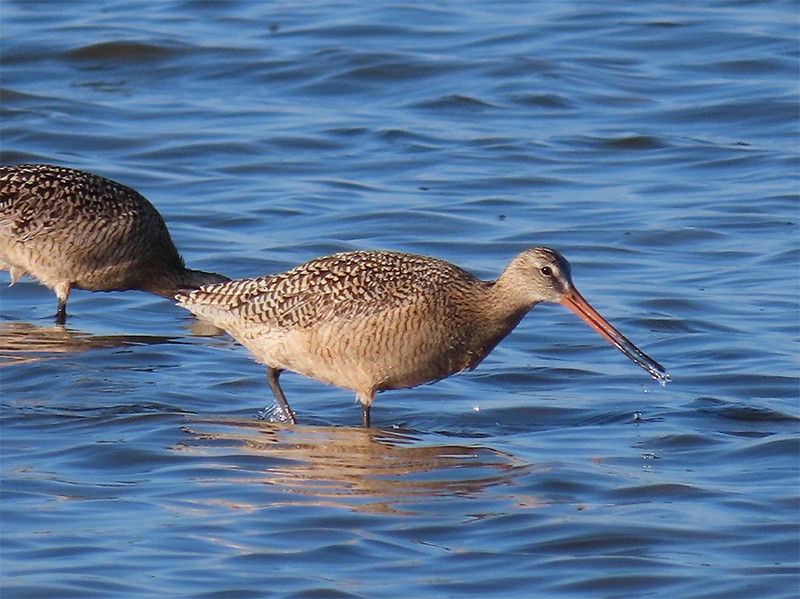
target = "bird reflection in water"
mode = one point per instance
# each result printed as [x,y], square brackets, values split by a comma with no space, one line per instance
[366,470]
[22,342]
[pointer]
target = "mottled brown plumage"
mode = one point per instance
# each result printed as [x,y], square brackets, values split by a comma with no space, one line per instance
[72,229]
[374,320]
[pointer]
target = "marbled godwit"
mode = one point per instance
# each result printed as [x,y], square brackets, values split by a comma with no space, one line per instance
[370,321]
[71,229]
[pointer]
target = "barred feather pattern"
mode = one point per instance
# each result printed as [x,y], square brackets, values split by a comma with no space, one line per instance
[345,286]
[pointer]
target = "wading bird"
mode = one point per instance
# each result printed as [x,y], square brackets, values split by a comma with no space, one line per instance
[369,321]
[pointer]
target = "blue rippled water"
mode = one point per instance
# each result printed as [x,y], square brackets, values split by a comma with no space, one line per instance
[655,145]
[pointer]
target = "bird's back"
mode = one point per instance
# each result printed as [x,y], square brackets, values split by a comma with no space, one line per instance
[61,224]
[342,287]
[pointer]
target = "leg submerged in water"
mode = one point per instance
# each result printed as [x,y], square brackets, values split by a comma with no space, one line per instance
[366,404]
[62,294]
[272,381]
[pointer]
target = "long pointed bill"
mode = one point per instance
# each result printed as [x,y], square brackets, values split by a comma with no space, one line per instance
[575,302]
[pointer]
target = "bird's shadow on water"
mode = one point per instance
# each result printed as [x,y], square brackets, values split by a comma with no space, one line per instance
[366,470]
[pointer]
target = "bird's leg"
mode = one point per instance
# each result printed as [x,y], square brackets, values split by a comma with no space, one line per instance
[62,293]
[272,381]
[366,403]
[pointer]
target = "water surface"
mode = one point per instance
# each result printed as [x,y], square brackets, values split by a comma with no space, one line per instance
[655,146]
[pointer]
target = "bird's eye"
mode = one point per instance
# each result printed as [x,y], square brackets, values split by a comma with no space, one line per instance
[547,271]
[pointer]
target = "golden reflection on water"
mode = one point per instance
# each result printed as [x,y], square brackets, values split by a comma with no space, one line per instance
[22,342]
[367,470]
